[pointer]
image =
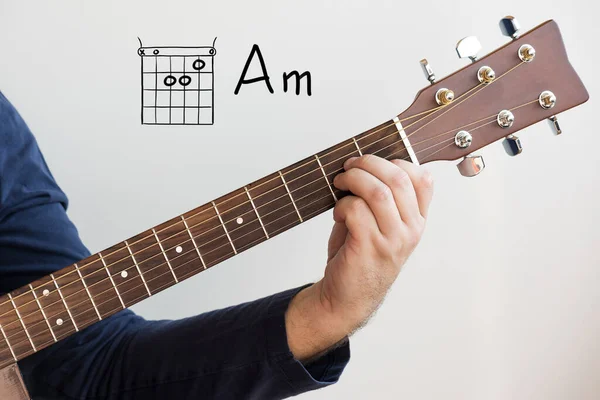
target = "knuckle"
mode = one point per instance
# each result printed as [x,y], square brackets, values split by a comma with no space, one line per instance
[426,180]
[355,205]
[415,234]
[419,231]
[400,179]
[382,193]
[411,240]
[398,162]
[389,249]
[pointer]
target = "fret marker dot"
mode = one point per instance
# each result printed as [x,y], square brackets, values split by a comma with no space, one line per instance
[124,274]
[240,220]
[46,292]
[179,249]
[59,321]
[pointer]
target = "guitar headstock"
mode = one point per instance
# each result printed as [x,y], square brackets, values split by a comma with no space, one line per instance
[523,82]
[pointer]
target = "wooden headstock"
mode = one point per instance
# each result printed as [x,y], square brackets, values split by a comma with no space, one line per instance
[516,87]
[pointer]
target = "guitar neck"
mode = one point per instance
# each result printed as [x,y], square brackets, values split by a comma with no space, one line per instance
[73,298]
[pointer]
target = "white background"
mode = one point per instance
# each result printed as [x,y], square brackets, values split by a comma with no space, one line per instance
[500,300]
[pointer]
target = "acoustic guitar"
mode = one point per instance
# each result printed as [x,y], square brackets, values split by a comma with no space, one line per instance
[527,80]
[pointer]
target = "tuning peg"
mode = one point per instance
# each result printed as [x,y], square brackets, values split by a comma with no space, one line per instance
[427,71]
[512,145]
[471,165]
[554,124]
[468,47]
[509,26]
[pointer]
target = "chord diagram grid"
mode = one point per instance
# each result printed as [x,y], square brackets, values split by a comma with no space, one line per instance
[177,85]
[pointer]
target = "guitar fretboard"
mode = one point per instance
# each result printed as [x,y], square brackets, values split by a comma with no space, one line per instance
[73,298]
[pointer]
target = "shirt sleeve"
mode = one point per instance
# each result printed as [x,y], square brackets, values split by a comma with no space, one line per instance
[233,353]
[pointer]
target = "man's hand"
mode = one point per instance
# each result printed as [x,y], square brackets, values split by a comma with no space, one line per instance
[376,229]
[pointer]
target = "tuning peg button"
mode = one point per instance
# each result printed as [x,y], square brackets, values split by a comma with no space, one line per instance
[471,165]
[468,47]
[512,145]
[554,124]
[428,71]
[509,26]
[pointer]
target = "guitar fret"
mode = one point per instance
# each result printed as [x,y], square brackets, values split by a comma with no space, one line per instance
[7,343]
[42,311]
[87,291]
[65,303]
[357,147]
[290,194]
[187,228]
[224,228]
[137,267]
[256,212]
[165,255]
[111,280]
[266,199]
[326,180]
[21,320]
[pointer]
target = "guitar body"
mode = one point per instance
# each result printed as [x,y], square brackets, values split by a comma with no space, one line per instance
[12,386]
[532,79]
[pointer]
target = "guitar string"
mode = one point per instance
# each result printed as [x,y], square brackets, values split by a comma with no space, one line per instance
[471,95]
[185,276]
[455,105]
[471,130]
[164,264]
[60,337]
[339,170]
[250,211]
[210,264]
[428,112]
[464,126]
[210,208]
[226,244]
[451,105]
[219,226]
[244,247]
[231,198]
[434,153]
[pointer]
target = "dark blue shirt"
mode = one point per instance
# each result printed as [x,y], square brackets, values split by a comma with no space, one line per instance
[239,352]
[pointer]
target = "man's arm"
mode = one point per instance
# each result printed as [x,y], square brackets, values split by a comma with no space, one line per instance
[248,351]
[375,231]
[238,352]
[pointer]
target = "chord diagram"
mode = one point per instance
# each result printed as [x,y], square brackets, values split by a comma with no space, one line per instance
[177,85]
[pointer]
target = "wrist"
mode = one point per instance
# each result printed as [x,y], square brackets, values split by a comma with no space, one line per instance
[311,328]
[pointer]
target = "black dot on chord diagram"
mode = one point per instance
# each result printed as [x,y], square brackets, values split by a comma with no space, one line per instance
[170,80]
[198,64]
[185,80]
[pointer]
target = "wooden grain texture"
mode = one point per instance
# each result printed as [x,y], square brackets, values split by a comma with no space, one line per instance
[550,70]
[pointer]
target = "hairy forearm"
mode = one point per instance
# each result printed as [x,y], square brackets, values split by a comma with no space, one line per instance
[312,330]
[375,231]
